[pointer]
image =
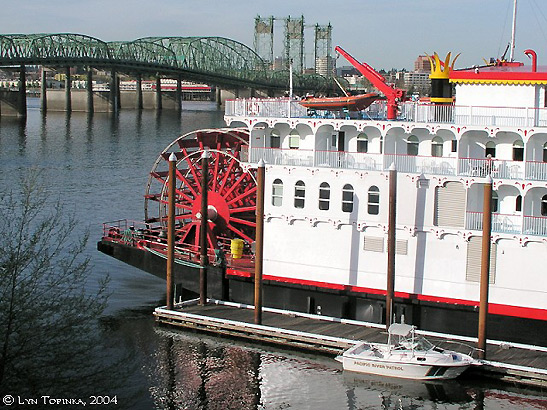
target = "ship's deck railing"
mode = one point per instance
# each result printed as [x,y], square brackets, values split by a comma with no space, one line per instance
[141,235]
[408,112]
[512,224]
[418,164]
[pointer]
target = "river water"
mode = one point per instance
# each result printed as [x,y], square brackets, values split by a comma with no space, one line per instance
[98,166]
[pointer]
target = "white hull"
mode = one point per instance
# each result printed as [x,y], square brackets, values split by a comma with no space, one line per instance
[402,370]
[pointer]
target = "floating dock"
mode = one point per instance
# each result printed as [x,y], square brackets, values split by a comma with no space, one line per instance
[508,362]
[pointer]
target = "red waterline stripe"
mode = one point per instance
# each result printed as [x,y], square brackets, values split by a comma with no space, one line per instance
[493,308]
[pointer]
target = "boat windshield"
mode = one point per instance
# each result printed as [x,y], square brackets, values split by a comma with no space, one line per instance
[419,343]
[423,344]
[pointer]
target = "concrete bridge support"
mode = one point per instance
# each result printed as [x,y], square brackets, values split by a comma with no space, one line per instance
[138,103]
[114,96]
[68,89]
[158,93]
[89,90]
[43,90]
[178,95]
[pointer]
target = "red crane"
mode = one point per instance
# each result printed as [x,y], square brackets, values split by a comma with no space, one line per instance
[393,95]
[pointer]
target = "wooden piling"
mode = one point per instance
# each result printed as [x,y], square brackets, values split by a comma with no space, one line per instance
[203,259]
[171,232]
[390,288]
[259,241]
[485,265]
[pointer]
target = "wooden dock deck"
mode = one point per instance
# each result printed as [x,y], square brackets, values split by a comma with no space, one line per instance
[508,362]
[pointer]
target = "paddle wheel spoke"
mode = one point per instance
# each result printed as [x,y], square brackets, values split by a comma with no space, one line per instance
[240,234]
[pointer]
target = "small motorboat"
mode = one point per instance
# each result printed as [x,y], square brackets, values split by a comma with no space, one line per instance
[405,355]
[350,102]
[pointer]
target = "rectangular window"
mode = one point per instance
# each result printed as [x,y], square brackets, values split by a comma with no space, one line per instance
[454,146]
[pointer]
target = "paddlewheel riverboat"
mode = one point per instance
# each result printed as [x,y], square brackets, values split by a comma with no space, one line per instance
[326,204]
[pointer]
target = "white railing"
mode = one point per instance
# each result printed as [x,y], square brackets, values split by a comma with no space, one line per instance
[408,111]
[279,156]
[480,167]
[349,160]
[421,164]
[536,171]
[535,225]
[501,223]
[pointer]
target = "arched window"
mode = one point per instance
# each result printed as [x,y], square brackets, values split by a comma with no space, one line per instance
[277,192]
[347,198]
[490,149]
[324,196]
[545,152]
[518,150]
[275,139]
[412,145]
[518,203]
[437,146]
[294,140]
[495,201]
[362,142]
[373,200]
[299,194]
[543,208]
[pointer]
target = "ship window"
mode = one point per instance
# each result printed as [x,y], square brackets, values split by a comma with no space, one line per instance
[495,201]
[324,196]
[347,198]
[544,205]
[518,203]
[294,140]
[275,139]
[362,142]
[277,192]
[518,150]
[545,152]
[490,149]
[412,145]
[299,194]
[373,200]
[437,147]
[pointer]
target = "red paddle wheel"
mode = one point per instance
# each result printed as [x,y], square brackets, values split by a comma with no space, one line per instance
[231,188]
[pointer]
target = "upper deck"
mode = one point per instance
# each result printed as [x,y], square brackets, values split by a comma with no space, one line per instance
[444,142]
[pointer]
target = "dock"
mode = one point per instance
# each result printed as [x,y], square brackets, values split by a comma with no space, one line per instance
[508,362]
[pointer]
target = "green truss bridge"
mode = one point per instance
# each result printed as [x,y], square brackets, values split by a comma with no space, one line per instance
[213,60]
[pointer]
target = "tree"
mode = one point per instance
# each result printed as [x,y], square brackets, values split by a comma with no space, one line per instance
[49,310]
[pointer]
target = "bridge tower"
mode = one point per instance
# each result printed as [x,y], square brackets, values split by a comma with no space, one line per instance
[264,39]
[294,43]
[324,63]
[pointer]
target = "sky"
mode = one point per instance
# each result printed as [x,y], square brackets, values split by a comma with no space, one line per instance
[384,33]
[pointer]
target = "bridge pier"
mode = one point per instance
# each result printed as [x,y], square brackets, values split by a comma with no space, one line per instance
[68,89]
[139,92]
[178,96]
[158,93]
[89,90]
[43,90]
[114,95]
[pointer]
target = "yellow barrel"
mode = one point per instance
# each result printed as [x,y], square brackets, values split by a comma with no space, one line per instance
[236,247]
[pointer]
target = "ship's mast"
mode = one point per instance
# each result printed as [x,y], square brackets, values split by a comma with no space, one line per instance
[512,55]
